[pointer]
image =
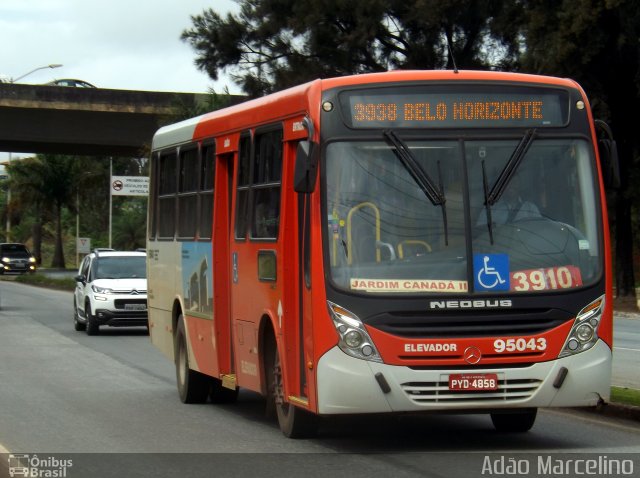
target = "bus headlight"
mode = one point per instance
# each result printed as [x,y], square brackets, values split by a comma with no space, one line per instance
[354,339]
[584,333]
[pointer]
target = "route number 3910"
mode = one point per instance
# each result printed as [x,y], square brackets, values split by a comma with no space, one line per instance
[520,345]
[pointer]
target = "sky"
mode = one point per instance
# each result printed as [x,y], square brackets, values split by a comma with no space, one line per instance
[120,44]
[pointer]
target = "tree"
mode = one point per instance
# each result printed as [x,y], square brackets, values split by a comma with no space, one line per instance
[273,44]
[26,183]
[129,227]
[196,106]
[597,42]
[59,188]
[45,183]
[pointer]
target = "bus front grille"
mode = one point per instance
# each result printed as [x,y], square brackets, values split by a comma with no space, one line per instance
[468,324]
[429,393]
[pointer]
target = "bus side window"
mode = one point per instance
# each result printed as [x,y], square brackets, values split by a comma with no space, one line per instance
[267,172]
[167,188]
[242,188]
[187,193]
[152,223]
[207,177]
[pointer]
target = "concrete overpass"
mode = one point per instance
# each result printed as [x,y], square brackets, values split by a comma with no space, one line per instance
[84,121]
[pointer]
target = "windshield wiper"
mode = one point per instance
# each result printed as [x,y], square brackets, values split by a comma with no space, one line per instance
[510,168]
[493,196]
[410,163]
[434,193]
[486,202]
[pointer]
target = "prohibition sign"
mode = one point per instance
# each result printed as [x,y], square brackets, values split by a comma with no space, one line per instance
[117,185]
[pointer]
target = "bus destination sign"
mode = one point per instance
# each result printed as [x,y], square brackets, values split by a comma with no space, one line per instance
[452,107]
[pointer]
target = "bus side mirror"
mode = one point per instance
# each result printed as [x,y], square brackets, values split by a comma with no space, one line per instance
[304,180]
[609,161]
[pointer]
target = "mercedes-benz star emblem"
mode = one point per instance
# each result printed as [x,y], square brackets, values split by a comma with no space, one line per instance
[472,355]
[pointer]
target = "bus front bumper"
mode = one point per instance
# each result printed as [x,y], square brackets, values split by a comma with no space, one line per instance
[348,385]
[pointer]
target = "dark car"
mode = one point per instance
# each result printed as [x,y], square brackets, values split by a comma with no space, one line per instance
[71,82]
[15,257]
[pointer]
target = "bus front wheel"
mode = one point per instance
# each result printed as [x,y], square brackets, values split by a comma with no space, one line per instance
[193,386]
[294,422]
[519,422]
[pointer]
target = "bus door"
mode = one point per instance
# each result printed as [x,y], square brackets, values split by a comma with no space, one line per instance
[222,234]
[243,284]
[297,294]
[303,280]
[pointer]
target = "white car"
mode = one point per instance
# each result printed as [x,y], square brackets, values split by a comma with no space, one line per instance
[111,289]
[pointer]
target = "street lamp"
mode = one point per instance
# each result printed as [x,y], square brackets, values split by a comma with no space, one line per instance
[53,65]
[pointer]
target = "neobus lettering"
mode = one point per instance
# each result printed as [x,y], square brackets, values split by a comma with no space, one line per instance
[470,304]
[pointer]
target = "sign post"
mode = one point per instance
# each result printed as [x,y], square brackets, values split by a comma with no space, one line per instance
[126,186]
[130,185]
[84,245]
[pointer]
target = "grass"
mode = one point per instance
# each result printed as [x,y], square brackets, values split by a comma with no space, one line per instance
[41,280]
[627,396]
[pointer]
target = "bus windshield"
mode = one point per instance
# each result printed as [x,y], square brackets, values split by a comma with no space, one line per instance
[386,235]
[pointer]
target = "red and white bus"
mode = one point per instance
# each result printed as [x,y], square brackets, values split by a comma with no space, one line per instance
[399,242]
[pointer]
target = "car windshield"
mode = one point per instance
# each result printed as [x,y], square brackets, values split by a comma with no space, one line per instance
[537,233]
[14,250]
[121,267]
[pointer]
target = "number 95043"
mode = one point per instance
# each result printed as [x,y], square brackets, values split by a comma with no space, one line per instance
[520,345]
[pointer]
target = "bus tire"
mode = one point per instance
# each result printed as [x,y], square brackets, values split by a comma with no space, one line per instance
[293,421]
[515,422]
[220,394]
[193,387]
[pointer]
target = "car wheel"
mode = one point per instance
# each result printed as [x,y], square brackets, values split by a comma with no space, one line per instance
[92,326]
[79,326]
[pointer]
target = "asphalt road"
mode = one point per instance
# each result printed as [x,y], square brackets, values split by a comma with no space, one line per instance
[109,404]
[626,350]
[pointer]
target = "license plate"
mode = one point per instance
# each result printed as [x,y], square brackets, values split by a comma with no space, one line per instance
[476,381]
[135,307]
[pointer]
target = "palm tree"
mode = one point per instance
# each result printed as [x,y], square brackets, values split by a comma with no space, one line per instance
[26,183]
[46,183]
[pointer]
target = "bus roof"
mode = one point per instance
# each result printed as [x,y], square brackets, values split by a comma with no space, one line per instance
[297,100]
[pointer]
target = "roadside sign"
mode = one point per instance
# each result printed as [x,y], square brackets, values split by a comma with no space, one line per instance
[129,185]
[84,245]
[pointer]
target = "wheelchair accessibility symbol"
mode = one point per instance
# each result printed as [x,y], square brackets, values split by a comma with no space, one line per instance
[491,271]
